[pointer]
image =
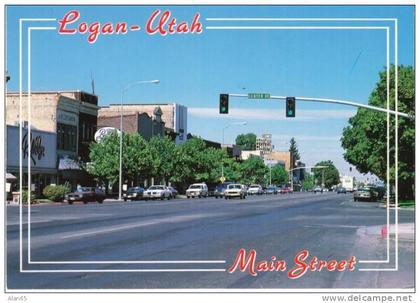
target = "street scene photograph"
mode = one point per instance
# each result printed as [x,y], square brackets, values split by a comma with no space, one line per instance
[209,149]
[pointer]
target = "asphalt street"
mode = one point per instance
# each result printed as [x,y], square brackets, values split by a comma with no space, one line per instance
[184,243]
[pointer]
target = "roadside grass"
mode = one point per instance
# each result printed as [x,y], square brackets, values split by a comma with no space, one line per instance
[406,203]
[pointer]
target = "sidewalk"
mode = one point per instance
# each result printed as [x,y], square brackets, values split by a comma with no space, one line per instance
[371,245]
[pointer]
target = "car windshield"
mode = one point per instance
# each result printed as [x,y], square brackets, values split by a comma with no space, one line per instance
[156,188]
[134,189]
[254,186]
[234,186]
[364,190]
[86,189]
[271,188]
[195,186]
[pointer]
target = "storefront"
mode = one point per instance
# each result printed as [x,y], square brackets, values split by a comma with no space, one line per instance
[42,158]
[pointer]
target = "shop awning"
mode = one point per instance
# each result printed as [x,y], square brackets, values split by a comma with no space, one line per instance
[66,163]
[10,177]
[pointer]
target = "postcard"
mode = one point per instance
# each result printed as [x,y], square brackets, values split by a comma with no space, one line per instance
[222,149]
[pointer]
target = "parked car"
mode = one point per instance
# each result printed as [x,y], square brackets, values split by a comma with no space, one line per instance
[378,192]
[85,195]
[219,191]
[341,190]
[157,192]
[286,190]
[235,190]
[197,190]
[318,189]
[134,193]
[255,189]
[174,191]
[271,190]
[364,193]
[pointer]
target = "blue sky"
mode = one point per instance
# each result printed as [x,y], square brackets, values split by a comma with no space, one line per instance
[195,69]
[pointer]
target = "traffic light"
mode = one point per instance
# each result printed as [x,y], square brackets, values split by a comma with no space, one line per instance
[290,107]
[224,104]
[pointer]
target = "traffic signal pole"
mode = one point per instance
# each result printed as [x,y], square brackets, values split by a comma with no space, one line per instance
[335,101]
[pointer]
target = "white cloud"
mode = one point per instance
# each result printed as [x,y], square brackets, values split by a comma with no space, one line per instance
[270,114]
[305,138]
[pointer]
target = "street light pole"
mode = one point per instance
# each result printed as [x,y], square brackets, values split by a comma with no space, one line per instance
[121,128]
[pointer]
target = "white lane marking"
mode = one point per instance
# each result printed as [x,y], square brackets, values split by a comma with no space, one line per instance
[332,225]
[170,220]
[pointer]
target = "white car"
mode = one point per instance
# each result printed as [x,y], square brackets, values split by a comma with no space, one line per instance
[157,192]
[255,189]
[197,190]
[235,190]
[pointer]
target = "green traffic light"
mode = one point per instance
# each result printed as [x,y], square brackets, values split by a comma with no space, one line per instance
[224,104]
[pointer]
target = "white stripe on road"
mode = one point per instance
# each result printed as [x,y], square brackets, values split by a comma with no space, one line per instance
[332,225]
[175,219]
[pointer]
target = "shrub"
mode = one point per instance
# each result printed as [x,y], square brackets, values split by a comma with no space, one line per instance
[25,196]
[55,192]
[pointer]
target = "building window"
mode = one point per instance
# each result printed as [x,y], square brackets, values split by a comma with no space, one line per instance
[83,130]
[66,137]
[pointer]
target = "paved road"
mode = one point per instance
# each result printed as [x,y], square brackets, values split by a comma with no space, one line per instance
[99,246]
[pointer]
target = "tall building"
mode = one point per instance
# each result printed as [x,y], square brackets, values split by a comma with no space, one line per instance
[264,144]
[172,114]
[282,157]
[67,118]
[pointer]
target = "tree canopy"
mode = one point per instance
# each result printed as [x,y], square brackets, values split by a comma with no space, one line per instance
[294,152]
[279,175]
[364,140]
[246,141]
[331,174]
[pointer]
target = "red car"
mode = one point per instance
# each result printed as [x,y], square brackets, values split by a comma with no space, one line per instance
[286,190]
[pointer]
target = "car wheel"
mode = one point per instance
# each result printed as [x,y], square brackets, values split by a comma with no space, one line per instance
[85,202]
[100,201]
[70,202]
[125,199]
[355,199]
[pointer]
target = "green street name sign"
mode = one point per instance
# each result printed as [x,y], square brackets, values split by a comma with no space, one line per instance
[259,96]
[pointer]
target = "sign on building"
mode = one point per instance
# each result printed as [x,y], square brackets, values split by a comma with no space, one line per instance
[105,131]
[39,147]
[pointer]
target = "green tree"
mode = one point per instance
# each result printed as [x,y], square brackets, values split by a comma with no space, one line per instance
[253,170]
[294,152]
[246,141]
[331,174]
[190,163]
[364,140]
[232,170]
[105,159]
[162,151]
[308,182]
[279,175]
[215,159]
